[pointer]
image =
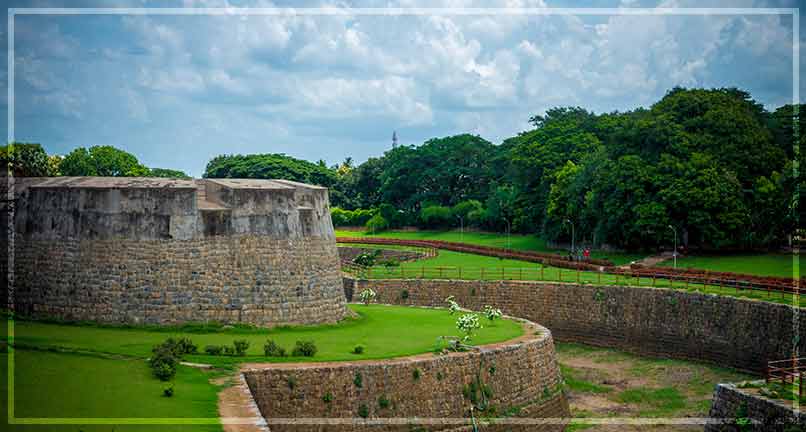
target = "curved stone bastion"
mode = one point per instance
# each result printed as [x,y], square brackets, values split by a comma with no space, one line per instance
[728,331]
[518,380]
[148,250]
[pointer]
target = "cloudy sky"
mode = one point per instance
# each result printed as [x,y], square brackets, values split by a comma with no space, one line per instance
[179,90]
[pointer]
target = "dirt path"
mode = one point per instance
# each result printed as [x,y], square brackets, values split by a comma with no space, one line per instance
[236,408]
[651,260]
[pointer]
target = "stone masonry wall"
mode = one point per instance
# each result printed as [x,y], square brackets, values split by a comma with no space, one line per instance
[251,279]
[147,250]
[523,379]
[728,331]
[731,403]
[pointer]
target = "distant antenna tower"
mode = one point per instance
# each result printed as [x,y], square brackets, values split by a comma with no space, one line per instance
[394,139]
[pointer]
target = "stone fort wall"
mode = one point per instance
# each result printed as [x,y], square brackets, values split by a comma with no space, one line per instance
[137,250]
[522,378]
[728,331]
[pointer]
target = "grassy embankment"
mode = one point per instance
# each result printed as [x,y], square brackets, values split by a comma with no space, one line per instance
[90,371]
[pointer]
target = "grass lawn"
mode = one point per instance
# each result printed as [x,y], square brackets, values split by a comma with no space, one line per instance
[86,371]
[51,385]
[516,241]
[384,331]
[771,264]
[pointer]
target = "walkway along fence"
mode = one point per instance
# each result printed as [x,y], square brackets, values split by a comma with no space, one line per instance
[567,271]
[790,371]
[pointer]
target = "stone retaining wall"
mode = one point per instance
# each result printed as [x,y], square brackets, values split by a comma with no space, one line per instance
[728,331]
[522,380]
[731,404]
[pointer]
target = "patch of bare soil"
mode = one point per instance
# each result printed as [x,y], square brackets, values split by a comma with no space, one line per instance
[620,373]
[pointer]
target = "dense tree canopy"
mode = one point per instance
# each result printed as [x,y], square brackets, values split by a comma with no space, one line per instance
[25,160]
[104,161]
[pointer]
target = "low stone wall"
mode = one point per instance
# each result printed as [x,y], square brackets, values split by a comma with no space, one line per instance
[522,379]
[252,279]
[731,404]
[728,331]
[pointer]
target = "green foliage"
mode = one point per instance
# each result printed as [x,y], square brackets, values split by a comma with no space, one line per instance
[383,402]
[214,350]
[240,346]
[376,224]
[363,411]
[327,398]
[168,391]
[358,380]
[358,349]
[272,349]
[168,173]
[167,355]
[436,216]
[104,161]
[353,218]
[416,373]
[468,324]
[291,381]
[492,313]
[304,349]
[26,160]
[404,294]
[367,259]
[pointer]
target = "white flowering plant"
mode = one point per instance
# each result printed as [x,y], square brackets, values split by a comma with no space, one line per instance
[367,296]
[492,313]
[453,307]
[468,324]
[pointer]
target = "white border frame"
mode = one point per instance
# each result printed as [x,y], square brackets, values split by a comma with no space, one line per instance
[330,11]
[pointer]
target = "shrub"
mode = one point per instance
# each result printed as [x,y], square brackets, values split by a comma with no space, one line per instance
[271,349]
[214,350]
[178,347]
[468,324]
[404,294]
[363,411]
[358,380]
[163,364]
[415,374]
[389,263]
[376,223]
[292,382]
[240,347]
[359,349]
[304,349]
[436,216]
[383,402]
[327,398]
[492,313]
[367,296]
[453,307]
[228,350]
[367,259]
[168,391]
[357,217]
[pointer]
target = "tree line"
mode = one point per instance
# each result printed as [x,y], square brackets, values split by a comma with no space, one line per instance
[712,165]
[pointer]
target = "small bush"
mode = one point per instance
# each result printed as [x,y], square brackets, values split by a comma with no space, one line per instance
[164,370]
[214,350]
[440,376]
[367,296]
[363,411]
[327,398]
[166,356]
[359,349]
[240,347]
[228,350]
[168,391]
[367,259]
[304,349]
[416,373]
[358,380]
[376,223]
[404,294]
[292,382]
[271,349]
[383,402]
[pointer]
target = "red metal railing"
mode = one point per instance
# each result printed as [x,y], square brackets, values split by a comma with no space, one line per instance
[790,371]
